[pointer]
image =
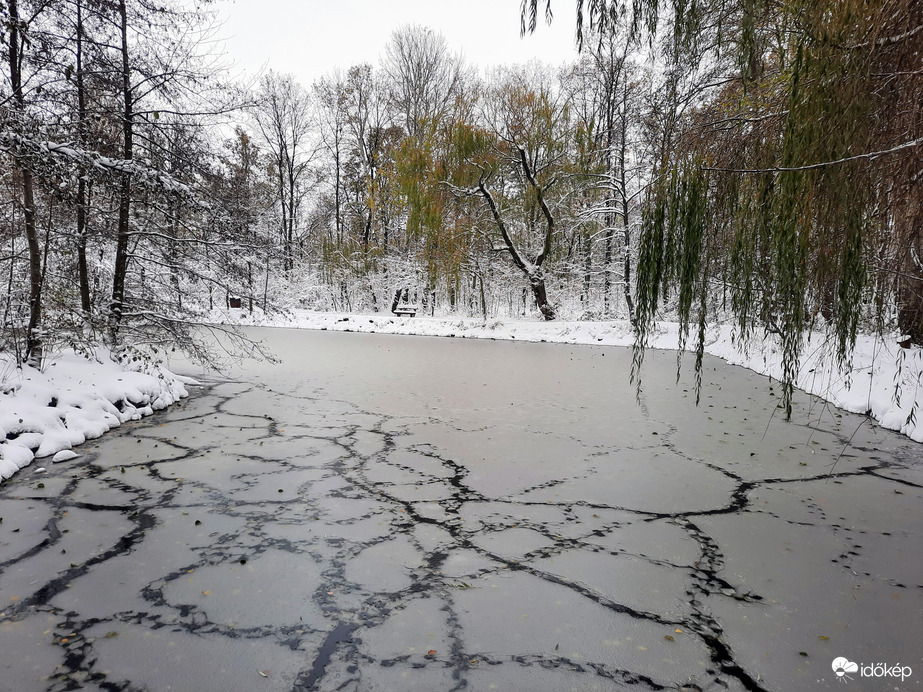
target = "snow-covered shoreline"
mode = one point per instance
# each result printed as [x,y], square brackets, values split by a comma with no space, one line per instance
[880,368]
[45,413]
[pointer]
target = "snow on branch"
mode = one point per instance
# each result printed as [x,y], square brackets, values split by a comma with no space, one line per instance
[28,149]
[784,169]
[887,40]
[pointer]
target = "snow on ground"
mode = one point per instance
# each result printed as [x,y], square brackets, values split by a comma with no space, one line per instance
[883,380]
[73,399]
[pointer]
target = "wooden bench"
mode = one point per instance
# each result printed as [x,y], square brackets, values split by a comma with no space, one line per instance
[410,310]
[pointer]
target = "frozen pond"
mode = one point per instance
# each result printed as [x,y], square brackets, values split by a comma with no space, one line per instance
[408,513]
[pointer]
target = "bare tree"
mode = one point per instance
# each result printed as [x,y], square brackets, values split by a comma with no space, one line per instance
[519,162]
[331,98]
[367,119]
[283,118]
[425,78]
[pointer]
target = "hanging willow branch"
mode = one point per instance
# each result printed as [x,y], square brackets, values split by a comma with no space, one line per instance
[793,188]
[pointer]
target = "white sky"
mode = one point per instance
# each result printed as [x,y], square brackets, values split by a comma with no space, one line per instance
[309,38]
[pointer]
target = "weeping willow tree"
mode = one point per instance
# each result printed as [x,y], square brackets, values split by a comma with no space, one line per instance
[790,197]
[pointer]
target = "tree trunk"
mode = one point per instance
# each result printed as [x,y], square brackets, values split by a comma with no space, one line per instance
[339,222]
[587,265]
[283,202]
[607,262]
[121,247]
[34,345]
[290,229]
[610,215]
[266,285]
[174,255]
[83,193]
[537,283]
[910,286]
[83,273]
[367,234]
[533,272]
[250,285]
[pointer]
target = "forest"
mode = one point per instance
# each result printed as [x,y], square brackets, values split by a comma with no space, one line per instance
[740,161]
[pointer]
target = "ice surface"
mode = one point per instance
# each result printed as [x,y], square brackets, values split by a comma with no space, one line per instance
[515,521]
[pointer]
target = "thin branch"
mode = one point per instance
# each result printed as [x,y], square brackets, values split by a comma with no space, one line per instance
[504,233]
[549,219]
[887,40]
[783,169]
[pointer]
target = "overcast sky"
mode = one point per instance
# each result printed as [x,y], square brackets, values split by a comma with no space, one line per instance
[309,38]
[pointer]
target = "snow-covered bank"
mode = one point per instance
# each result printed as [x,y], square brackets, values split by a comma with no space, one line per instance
[47,412]
[884,379]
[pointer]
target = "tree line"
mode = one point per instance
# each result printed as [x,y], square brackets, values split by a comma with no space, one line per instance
[142,189]
[706,159]
[463,188]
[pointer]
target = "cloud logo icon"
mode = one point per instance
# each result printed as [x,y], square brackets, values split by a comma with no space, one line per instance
[842,665]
